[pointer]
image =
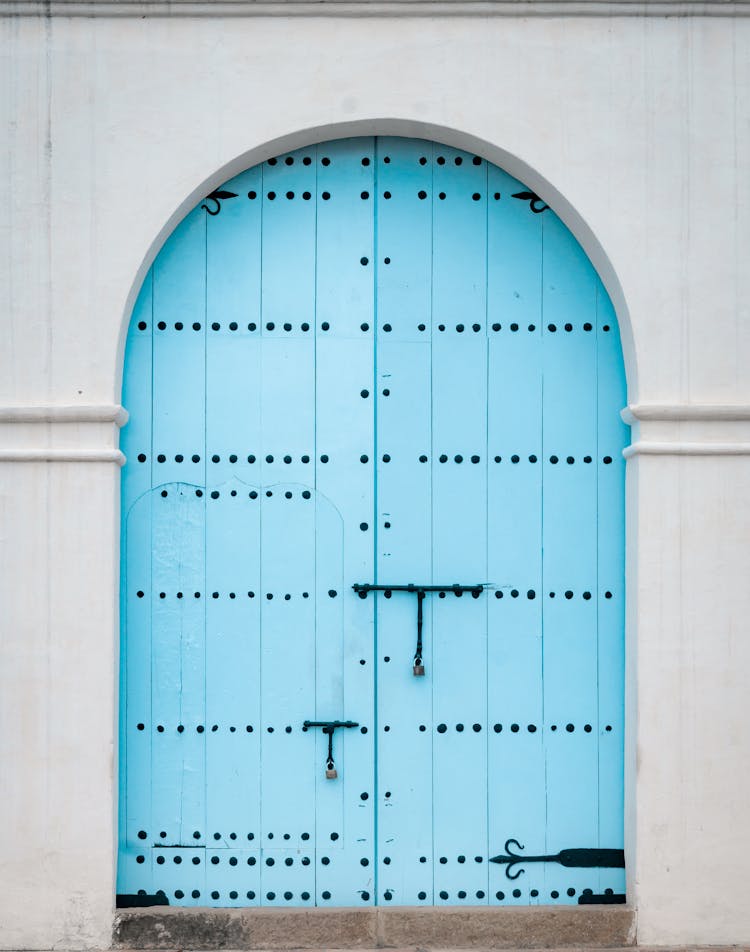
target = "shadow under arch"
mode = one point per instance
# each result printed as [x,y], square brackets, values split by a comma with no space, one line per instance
[408,128]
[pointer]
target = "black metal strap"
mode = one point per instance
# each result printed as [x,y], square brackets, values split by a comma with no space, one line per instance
[577,858]
[418,653]
[364,587]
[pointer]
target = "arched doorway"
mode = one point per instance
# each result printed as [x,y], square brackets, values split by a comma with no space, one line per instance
[374,483]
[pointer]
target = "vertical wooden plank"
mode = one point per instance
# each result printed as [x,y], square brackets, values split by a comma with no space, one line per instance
[613,435]
[232,359]
[459,525]
[289,183]
[177,663]
[516,768]
[287,524]
[178,624]
[288,316]
[179,281]
[135,727]
[404,553]
[287,687]
[233,724]
[344,433]
[569,546]
[344,270]
[233,428]
[137,834]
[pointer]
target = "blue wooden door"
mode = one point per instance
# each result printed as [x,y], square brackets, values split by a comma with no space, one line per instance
[374,482]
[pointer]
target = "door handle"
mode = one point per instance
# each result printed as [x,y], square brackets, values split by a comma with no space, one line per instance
[328,728]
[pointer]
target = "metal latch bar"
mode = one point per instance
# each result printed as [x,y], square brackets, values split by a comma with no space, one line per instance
[328,728]
[362,588]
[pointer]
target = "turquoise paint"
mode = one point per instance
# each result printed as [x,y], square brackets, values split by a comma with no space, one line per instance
[358,368]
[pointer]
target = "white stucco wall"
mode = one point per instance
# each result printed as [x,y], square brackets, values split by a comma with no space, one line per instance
[634,128]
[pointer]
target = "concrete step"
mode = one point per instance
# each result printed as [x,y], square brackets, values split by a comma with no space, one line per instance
[468,927]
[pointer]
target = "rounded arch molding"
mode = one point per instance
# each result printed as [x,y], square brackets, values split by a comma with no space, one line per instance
[493,152]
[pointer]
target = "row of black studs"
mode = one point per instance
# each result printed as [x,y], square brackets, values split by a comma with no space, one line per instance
[497,728]
[441,729]
[332,593]
[233,458]
[325,160]
[251,861]
[325,325]
[253,494]
[200,729]
[197,835]
[554,893]
[364,195]
[233,894]
[388,895]
[386,458]
[271,861]
[531,594]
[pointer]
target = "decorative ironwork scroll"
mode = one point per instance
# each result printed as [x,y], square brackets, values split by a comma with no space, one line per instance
[577,858]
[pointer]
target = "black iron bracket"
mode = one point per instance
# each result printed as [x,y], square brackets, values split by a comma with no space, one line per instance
[328,728]
[573,858]
[362,588]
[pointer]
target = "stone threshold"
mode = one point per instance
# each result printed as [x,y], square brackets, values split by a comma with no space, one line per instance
[403,927]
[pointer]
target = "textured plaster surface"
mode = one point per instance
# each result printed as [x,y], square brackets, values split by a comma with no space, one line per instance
[635,130]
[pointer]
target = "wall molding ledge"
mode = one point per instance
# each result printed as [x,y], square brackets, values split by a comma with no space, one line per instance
[685,413]
[648,448]
[380,8]
[53,455]
[60,413]
[61,433]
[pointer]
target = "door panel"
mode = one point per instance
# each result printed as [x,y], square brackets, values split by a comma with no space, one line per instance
[404,541]
[515,735]
[377,361]
[459,518]
[233,667]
